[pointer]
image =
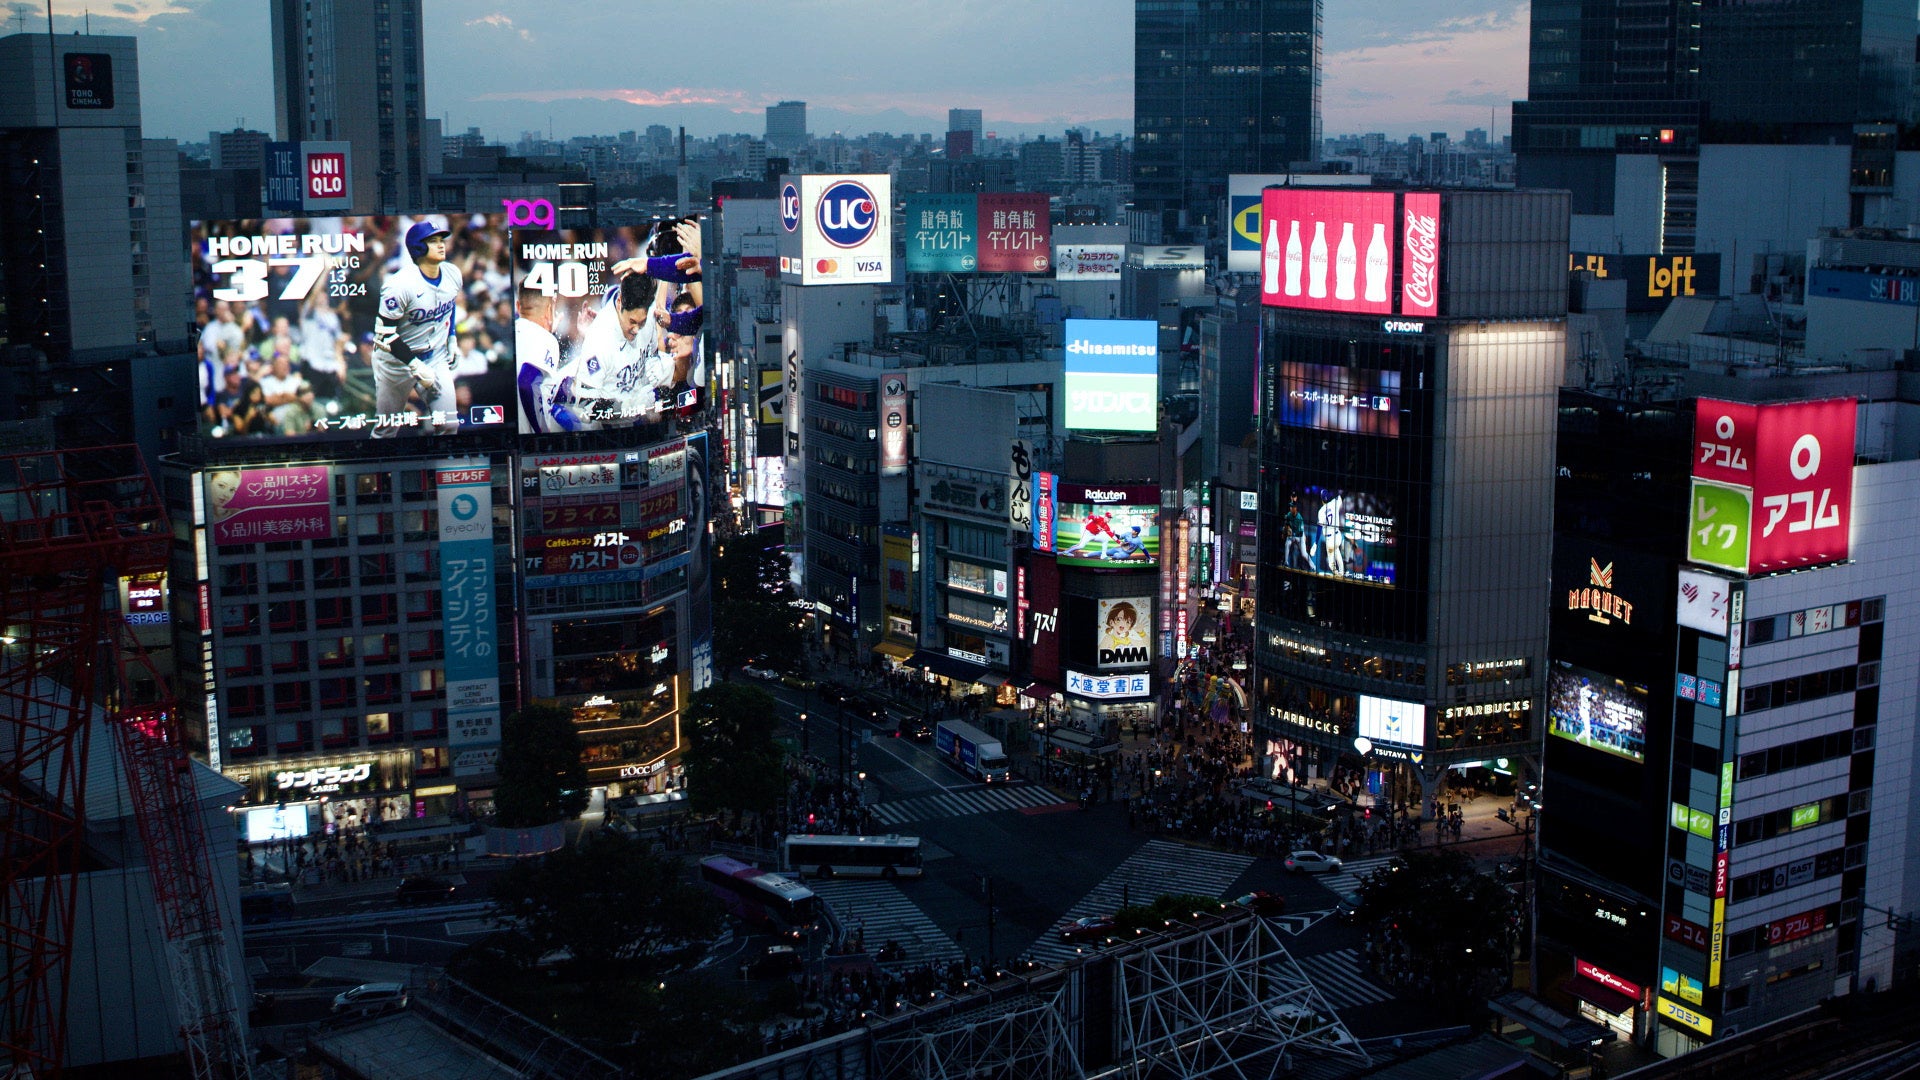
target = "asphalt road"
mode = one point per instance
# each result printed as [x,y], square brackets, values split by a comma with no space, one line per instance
[1041,859]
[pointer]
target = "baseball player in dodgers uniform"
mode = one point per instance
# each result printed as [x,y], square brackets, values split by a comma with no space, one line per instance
[413,333]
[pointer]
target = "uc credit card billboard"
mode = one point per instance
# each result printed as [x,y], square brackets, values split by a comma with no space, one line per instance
[298,320]
[836,229]
[1113,374]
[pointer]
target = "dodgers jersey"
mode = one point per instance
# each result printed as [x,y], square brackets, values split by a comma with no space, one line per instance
[539,352]
[612,366]
[421,311]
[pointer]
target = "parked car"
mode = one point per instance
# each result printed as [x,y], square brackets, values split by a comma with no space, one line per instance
[777,961]
[1262,902]
[1093,928]
[424,889]
[369,998]
[1312,862]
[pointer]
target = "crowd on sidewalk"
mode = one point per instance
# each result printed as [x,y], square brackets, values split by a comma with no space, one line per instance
[353,857]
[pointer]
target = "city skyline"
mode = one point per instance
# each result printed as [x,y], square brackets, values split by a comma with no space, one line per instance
[1397,68]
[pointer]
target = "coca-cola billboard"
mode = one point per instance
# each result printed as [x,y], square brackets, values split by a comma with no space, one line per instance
[1420,264]
[1329,249]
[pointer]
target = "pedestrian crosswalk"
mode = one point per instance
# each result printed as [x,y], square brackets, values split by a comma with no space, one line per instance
[880,913]
[948,804]
[1341,978]
[1351,873]
[1157,868]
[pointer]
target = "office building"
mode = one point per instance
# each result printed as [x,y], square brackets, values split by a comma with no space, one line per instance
[355,71]
[1724,838]
[89,232]
[1218,89]
[1661,77]
[1406,463]
[787,126]
[237,149]
[969,121]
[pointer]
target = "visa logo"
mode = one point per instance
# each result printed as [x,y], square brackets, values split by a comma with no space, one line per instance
[867,266]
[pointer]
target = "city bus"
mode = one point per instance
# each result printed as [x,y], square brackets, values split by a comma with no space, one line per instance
[759,897]
[852,856]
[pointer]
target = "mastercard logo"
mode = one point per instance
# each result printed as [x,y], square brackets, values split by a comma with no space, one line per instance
[826,266]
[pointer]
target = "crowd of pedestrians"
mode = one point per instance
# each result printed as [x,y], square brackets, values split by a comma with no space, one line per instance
[316,860]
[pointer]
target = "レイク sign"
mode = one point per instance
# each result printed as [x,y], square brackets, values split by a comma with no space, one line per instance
[1794,465]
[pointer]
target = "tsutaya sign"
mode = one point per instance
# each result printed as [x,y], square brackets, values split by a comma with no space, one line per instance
[1598,599]
[1772,484]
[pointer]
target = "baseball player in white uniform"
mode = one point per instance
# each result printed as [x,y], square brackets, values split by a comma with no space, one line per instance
[545,396]
[413,335]
[609,373]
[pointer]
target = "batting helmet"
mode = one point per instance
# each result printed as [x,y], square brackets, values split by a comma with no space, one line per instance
[419,234]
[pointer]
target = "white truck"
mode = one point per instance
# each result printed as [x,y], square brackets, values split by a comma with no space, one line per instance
[971,750]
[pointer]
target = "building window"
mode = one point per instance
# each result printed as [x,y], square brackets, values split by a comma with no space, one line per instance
[287,615]
[239,661]
[382,688]
[292,698]
[380,726]
[378,609]
[240,618]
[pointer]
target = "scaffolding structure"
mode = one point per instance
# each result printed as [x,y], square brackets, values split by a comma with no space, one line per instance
[1221,997]
[72,525]
[1022,1037]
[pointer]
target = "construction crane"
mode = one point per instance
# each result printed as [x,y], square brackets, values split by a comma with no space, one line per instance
[72,523]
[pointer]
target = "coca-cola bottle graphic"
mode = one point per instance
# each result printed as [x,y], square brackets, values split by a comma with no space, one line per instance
[1270,260]
[1346,264]
[1294,258]
[1317,262]
[1376,278]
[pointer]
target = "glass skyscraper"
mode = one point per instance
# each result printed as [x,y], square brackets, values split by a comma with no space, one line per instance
[1661,76]
[1220,86]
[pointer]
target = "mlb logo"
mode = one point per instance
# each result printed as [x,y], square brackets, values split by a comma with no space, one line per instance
[489,414]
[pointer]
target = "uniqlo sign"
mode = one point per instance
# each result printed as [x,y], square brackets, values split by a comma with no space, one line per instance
[1796,460]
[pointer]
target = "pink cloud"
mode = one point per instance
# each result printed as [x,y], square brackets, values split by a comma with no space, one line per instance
[1443,82]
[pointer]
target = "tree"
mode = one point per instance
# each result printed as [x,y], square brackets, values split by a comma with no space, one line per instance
[731,760]
[542,779]
[1439,924]
[610,903]
[753,612]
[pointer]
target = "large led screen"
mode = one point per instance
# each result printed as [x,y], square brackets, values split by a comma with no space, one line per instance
[609,333]
[1349,535]
[1334,398]
[1107,526]
[1123,637]
[353,327]
[1328,249]
[1113,374]
[1597,711]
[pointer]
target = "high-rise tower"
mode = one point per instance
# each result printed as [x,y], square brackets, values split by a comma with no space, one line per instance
[1218,89]
[355,70]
